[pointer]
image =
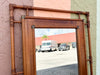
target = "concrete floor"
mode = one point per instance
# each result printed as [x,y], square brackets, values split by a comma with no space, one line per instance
[57,63]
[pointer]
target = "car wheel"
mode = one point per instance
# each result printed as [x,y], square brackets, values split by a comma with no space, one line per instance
[55,50]
[50,50]
[42,51]
[59,49]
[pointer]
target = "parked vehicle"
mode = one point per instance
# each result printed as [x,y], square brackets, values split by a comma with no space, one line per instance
[36,50]
[74,45]
[48,45]
[64,47]
[39,50]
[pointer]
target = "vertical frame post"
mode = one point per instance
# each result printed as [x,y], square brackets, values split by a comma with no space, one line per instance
[29,58]
[89,42]
[13,70]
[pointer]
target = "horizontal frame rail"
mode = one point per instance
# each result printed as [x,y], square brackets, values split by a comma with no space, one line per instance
[47,9]
[50,18]
[17,73]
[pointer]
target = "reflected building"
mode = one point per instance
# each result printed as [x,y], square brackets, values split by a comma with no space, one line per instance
[68,38]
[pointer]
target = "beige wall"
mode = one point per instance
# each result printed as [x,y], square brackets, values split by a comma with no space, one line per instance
[98,39]
[5,44]
[90,6]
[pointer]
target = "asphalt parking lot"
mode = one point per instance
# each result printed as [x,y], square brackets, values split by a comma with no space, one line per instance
[57,63]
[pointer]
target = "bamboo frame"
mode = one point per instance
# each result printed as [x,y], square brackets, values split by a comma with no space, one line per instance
[13,69]
[12,7]
[89,40]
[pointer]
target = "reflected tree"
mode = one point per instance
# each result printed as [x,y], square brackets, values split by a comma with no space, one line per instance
[45,37]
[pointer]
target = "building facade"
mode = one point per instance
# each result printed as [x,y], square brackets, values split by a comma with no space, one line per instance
[59,38]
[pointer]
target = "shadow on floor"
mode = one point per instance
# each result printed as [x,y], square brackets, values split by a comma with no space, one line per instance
[61,70]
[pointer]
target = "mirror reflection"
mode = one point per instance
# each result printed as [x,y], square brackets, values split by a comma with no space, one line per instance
[56,51]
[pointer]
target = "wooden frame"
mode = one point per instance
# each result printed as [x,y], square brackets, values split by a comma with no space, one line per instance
[28,26]
[12,7]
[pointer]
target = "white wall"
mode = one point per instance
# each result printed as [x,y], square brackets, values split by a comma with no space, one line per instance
[98,38]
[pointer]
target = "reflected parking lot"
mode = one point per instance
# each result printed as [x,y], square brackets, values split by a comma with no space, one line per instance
[56,62]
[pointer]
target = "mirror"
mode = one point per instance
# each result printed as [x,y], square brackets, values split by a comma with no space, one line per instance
[56,51]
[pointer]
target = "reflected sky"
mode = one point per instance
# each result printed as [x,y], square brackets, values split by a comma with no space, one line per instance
[44,31]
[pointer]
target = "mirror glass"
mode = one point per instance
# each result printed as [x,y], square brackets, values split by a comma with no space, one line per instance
[56,51]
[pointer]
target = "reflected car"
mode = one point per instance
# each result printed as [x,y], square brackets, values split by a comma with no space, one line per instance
[48,46]
[64,47]
[39,50]
[74,45]
[36,50]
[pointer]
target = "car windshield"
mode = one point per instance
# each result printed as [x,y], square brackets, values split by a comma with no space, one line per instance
[45,44]
[63,45]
